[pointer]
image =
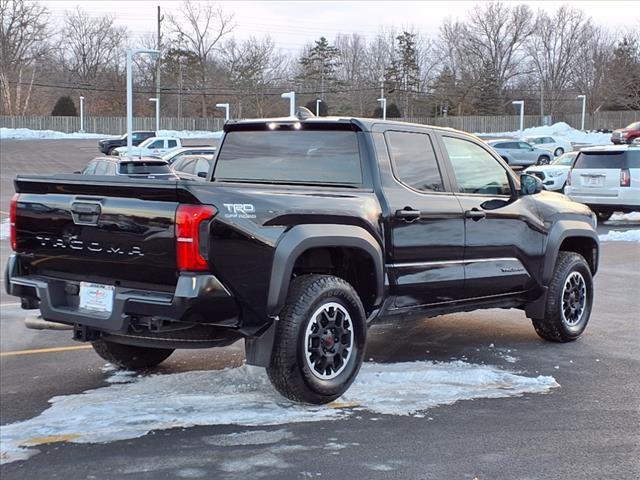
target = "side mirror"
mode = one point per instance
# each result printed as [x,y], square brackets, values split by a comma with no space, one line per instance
[530,184]
[202,174]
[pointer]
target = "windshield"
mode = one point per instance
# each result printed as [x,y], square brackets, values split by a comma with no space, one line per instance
[147,141]
[609,159]
[290,156]
[566,159]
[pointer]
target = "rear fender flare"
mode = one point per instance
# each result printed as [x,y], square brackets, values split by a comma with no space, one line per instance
[303,237]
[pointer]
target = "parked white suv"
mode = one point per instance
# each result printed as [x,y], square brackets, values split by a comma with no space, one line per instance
[607,179]
[554,175]
[553,144]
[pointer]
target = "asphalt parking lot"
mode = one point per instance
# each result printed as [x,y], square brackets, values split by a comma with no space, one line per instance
[588,427]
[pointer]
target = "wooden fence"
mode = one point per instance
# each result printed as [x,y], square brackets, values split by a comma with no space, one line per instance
[475,124]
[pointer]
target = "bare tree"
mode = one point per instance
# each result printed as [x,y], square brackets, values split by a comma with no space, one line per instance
[91,45]
[200,30]
[493,38]
[253,66]
[556,47]
[590,75]
[24,35]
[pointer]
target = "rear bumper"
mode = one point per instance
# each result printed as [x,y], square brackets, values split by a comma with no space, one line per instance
[626,199]
[197,299]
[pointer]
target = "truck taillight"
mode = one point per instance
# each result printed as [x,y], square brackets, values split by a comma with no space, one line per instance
[625,177]
[189,219]
[13,213]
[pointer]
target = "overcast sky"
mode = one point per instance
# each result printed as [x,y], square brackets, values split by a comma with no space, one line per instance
[292,24]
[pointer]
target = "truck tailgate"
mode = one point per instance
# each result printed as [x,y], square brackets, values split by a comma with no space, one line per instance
[95,229]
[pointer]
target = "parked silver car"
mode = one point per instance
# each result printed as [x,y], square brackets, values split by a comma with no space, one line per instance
[520,154]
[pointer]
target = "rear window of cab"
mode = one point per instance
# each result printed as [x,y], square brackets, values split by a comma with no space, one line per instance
[323,157]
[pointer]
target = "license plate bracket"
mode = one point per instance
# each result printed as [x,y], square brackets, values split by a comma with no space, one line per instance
[96,297]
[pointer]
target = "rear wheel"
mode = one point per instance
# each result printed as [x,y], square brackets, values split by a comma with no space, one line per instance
[569,300]
[603,215]
[544,160]
[129,356]
[321,337]
[559,151]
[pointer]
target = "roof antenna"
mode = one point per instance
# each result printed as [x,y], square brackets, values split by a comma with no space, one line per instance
[303,113]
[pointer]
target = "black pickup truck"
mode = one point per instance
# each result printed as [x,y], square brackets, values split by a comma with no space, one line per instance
[108,145]
[305,233]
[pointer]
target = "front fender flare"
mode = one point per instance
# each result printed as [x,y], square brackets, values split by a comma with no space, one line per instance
[303,237]
[560,231]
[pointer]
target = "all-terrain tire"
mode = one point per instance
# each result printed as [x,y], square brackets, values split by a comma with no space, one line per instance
[291,371]
[129,356]
[558,324]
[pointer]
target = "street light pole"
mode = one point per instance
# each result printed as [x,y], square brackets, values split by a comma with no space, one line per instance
[156,100]
[383,101]
[292,102]
[226,110]
[584,107]
[130,54]
[81,114]
[521,103]
[318,102]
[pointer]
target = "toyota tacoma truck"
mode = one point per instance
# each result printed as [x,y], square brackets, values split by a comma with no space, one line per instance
[307,231]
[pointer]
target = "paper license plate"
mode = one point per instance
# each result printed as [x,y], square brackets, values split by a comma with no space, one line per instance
[96,297]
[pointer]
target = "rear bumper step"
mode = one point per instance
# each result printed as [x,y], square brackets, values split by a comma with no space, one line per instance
[198,298]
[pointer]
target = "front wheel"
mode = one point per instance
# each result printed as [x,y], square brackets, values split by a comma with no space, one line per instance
[321,336]
[130,357]
[543,160]
[569,300]
[603,215]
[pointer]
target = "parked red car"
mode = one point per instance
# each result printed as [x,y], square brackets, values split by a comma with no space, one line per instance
[626,134]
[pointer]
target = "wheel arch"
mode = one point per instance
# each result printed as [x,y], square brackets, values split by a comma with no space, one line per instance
[571,236]
[306,244]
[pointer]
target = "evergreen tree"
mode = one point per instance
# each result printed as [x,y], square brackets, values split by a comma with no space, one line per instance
[489,98]
[64,107]
[404,72]
[392,111]
[624,75]
[319,66]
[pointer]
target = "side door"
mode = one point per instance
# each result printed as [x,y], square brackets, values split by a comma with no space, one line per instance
[529,153]
[424,228]
[157,147]
[503,231]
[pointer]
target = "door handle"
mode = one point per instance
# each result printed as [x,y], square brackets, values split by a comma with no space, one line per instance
[408,214]
[475,214]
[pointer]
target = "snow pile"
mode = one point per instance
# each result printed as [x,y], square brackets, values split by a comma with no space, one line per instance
[27,134]
[244,396]
[5,229]
[621,236]
[617,218]
[561,130]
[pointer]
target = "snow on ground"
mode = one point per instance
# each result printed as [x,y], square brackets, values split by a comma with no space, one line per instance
[244,396]
[617,218]
[621,236]
[27,134]
[562,131]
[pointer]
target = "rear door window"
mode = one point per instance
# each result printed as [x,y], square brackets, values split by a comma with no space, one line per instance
[172,144]
[414,161]
[324,157]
